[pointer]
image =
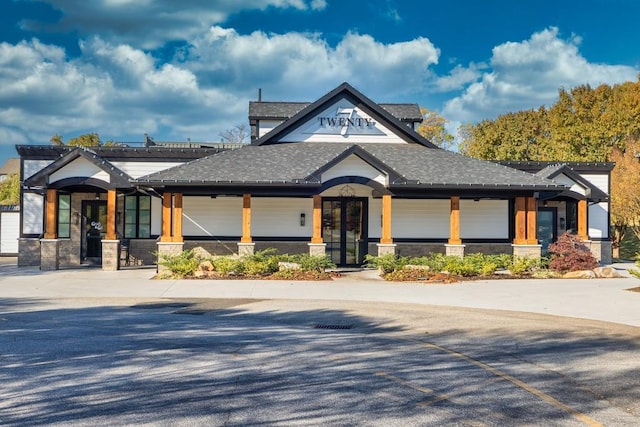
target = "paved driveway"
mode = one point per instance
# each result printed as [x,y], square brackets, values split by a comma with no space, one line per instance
[239,362]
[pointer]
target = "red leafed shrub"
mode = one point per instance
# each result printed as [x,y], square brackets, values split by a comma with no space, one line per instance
[568,253]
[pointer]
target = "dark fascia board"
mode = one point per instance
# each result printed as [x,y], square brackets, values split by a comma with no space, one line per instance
[592,192]
[536,166]
[365,156]
[119,179]
[139,154]
[358,99]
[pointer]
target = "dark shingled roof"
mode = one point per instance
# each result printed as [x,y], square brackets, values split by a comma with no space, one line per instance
[411,165]
[285,110]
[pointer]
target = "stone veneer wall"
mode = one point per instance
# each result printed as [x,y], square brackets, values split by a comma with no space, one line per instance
[602,250]
[29,252]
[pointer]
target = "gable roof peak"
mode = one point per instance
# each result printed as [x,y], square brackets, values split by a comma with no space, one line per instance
[347,91]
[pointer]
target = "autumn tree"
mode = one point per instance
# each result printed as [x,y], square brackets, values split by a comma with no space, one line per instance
[625,194]
[10,190]
[85,140]
[433,128]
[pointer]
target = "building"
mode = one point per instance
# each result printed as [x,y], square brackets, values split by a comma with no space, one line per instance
[341,176]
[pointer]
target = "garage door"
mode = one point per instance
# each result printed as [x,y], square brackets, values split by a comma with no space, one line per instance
[9,232]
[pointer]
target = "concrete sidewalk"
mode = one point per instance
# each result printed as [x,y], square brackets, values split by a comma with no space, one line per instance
[597,299]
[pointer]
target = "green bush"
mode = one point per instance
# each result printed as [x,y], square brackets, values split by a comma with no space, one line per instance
[228,265]
[181,265]
[387,263]
[317,263]
[522,265]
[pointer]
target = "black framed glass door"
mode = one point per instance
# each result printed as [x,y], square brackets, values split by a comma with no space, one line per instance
[547,229]
[344,229]
[94,228]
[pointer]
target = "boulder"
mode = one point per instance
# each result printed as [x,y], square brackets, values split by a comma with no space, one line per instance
[607,273]
[288,266]
[201,252]
[206,266]
[580,274]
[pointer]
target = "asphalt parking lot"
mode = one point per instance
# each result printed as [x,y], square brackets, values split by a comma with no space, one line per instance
[238,362]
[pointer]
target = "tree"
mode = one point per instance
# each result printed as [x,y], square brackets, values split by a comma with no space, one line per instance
[433,128]
[84,140]
[237,134]
[625,197]
[10,190]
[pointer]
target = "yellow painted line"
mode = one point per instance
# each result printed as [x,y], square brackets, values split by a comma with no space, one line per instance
[540,394]
[426,390]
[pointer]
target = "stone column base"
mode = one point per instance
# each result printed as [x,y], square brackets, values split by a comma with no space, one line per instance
[317,249]
[49,254]
[527,251]
[29,252]
[110,255]
[601,250]
[246,249]
[168,248]
[386,248]
[454,250]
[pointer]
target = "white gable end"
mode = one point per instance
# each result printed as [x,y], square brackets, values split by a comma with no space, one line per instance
[342,122]
[571,184]
[355,166]
[80,167]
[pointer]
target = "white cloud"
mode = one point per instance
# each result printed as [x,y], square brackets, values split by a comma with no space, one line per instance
[151,23]
[528,74]
[305,65]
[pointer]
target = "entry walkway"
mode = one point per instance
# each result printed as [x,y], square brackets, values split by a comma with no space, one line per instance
[608,300]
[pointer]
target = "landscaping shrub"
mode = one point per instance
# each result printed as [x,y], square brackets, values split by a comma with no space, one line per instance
[386,263]
[314,262]
[523,265]
[183,264]
[568,253]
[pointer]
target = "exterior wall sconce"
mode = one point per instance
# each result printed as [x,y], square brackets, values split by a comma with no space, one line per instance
[97,196]
[562,223]
[303,219]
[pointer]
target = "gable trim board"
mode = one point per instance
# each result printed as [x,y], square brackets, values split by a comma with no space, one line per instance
[267,192]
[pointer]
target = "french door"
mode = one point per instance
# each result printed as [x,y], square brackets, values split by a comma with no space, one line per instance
[344,229]
[94,227]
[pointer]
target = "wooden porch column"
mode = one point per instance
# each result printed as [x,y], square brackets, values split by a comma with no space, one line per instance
[521,222]
[532,216]
[246,219]
[111,215]
[454,221]
[166,217]
[317,219]
[177,220]
[385,239]
[51,222]
[582,220]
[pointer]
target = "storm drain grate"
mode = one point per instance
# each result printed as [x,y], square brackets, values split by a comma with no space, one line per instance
[322,326]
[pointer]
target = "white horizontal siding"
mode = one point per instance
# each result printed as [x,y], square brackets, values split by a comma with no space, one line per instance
[280,217]
[354,166]
[599,180]
[9,232]
[138,169]
[80,167]
[420,218]
[484,219]
[375,218]
[33,166]
[156,216]
[266,126]
[204,216]
[32,213]
[599,220]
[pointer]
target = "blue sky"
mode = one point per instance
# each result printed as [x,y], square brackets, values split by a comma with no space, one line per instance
[187,69]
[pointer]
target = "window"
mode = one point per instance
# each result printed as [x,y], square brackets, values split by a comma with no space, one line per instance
[64,215]
[137,217]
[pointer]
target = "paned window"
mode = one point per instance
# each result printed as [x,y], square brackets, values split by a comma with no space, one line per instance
[137,217]
[64,215]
